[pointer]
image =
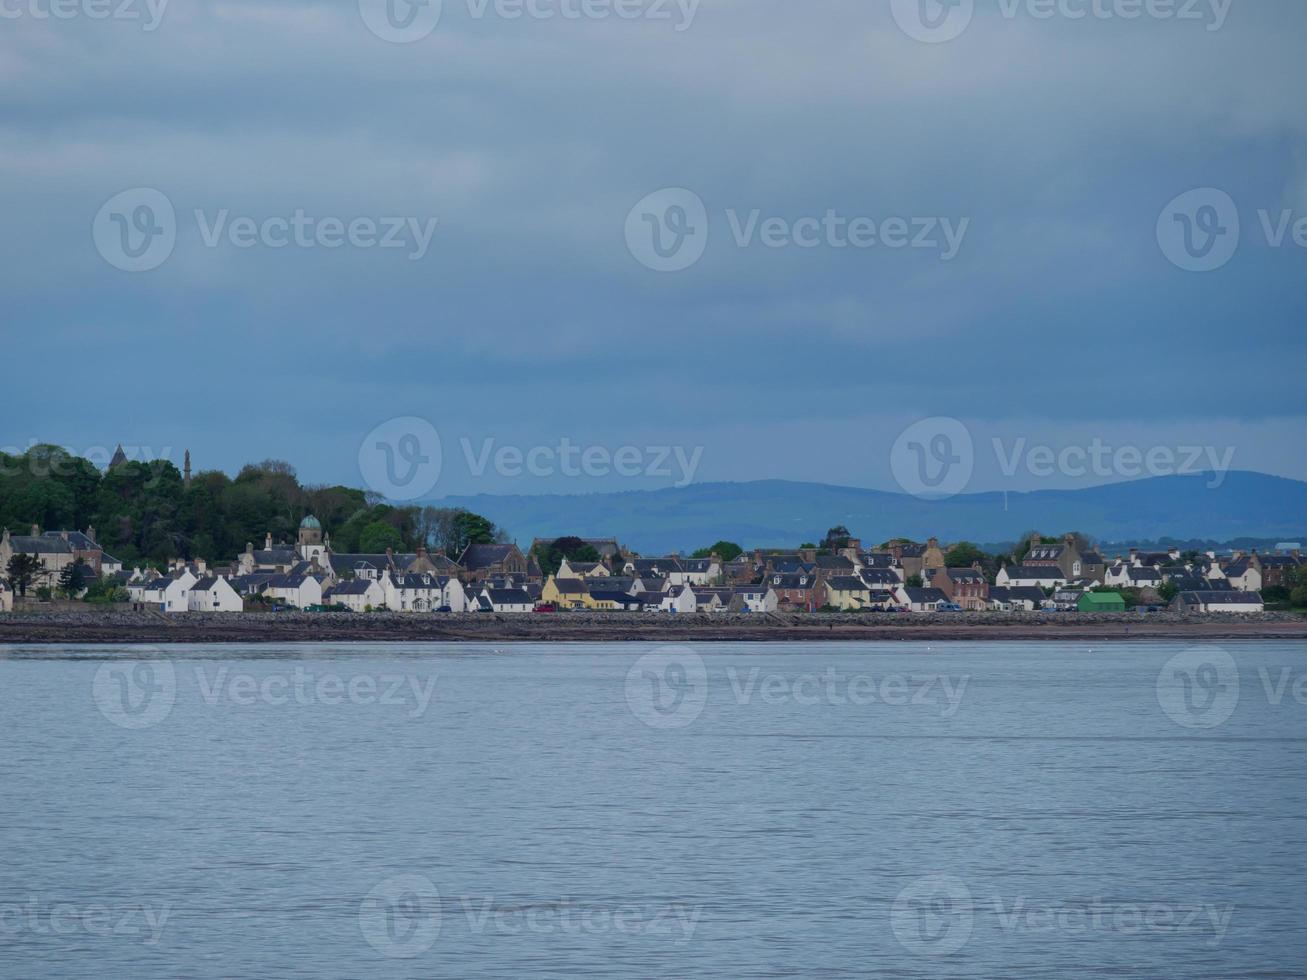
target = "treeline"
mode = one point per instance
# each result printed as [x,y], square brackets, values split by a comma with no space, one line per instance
[143,512]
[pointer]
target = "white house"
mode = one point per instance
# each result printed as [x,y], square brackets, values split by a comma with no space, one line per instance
[754,598]
[357,595]
[6,598]
[1123,576]
[214,595]
[1030,576]
[1018,598]
[420,592]
[708,601]
[920,600]
[679,600]
[299,591]
[1244,575]
[1223,601]
[507,601]
[168,594]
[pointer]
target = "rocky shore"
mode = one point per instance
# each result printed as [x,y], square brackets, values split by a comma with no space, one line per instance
[124,626]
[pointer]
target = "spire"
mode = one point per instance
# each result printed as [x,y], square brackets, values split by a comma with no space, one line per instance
[119,457]
[186,470]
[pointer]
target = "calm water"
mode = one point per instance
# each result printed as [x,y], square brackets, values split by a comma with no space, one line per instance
[1014,810]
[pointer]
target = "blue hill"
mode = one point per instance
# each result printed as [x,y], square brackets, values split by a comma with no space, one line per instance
[781,513]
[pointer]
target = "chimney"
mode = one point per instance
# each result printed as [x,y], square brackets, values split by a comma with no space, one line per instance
[90,533]
[249,547]
[267,541]
[36,531]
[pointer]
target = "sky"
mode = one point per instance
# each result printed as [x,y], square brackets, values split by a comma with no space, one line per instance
[585,245]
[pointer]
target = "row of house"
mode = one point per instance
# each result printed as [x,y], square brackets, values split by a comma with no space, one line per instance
[500,578]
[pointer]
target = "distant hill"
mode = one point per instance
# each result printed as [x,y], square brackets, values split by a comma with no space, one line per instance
[780,513]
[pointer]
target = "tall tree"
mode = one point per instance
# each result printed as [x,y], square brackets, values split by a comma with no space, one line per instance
[23,570]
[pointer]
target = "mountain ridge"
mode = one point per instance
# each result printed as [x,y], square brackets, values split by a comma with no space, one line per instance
[785,513]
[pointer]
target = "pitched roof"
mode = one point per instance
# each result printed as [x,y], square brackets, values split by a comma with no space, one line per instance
[478,556]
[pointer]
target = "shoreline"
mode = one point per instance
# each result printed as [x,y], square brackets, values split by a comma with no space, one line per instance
[122,628]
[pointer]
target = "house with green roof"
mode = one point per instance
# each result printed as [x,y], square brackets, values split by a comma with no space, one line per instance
[1101,602]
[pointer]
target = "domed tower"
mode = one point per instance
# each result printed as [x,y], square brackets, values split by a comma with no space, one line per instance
[310,538]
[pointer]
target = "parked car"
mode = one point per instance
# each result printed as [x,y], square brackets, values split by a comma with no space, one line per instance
[546,607]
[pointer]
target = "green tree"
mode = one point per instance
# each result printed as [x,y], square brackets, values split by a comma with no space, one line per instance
[70,579]
[726,550]
[22,571]
[378,536]
[1168,591]
[963,555]
[550,556]
[914,582]
[836,538]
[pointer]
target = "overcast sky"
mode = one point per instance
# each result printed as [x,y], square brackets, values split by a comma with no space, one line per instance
[1039,288]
